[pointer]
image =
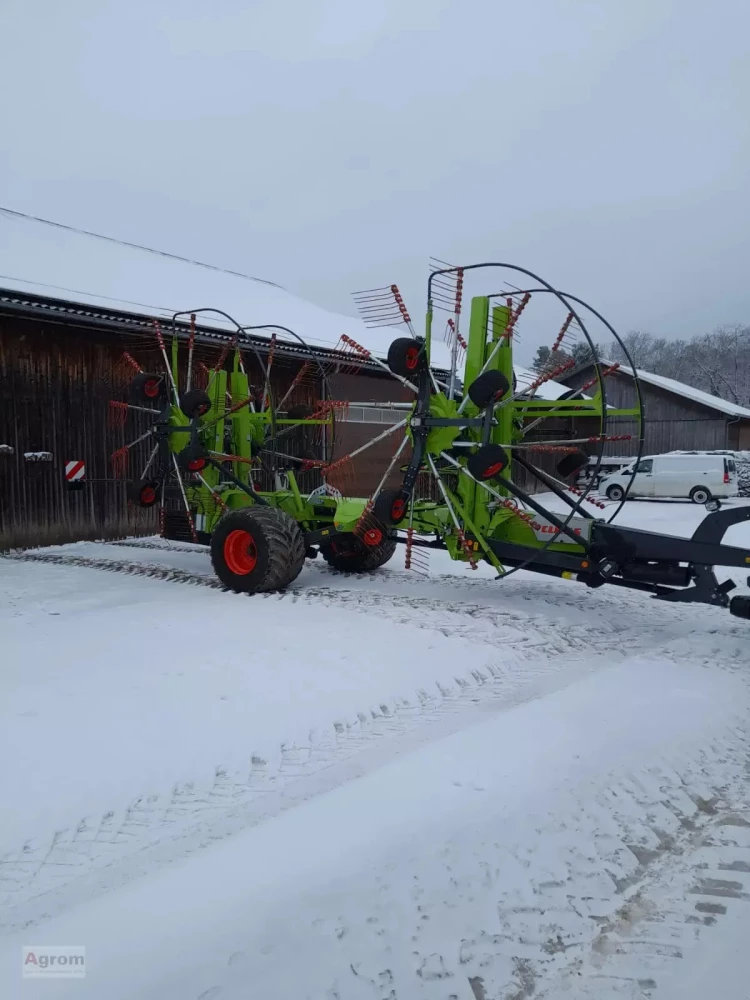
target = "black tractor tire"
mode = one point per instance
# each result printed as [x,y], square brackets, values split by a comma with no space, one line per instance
[740,606]
[406,357]
[488,389]
[615,492]
[193,458]
[570,464]
[349,554]
[390,506]
[195,403]
[144,493]
[257,549]
[487,462]
[700,494]
[148,390]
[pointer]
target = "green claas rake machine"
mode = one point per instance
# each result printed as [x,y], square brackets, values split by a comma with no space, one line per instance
[482,463]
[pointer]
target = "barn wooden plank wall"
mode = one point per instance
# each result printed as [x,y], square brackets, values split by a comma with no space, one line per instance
[54,397]
[672,422]
[56,383]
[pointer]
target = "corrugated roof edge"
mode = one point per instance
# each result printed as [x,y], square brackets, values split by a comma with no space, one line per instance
[688,391]
[63,310]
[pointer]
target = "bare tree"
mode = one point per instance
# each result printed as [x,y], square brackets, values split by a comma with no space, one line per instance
[717,363]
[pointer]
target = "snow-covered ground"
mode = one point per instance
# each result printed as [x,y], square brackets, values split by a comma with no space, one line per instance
[384,786]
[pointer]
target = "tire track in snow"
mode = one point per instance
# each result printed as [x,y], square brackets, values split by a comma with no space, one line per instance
[517,632]
[598,900]
[48,873]
[528,593]
[669,915]
[44,866]
[152,571]
[538,603]
[156,544]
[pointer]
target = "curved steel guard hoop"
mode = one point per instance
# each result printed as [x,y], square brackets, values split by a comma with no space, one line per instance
[597,366]
[261,326]
[636,380]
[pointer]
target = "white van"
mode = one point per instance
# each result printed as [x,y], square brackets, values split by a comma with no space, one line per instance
[699,477]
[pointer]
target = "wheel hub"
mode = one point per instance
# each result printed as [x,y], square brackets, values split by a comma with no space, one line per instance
[240,552]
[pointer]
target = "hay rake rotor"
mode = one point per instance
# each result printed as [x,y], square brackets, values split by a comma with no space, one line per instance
[204,429]
[481,460]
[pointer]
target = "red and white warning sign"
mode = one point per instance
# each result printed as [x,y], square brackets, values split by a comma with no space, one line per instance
[75,471]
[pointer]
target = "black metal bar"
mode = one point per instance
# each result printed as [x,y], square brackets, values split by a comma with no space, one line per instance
[453,422]
[508,552]
[650,588]
[626,544]
[562,526]
[238,482]
[714,526]
[420,432]
[420,543]
[558,563]
[322,535]
[706,590]
[551,485]
[487,424]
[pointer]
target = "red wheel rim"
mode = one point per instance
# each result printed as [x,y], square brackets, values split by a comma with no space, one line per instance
[412,358]
[373,537]
[148,495]
[151,388]
[240,553]
[196,464]
[493,470]
[398,508]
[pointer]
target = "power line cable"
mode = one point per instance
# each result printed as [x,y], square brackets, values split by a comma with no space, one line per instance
[89,295]
[134,246]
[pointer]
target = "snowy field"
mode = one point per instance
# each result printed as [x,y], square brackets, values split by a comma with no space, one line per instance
[380,787]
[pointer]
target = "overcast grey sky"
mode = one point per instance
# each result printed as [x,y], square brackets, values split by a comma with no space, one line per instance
[331,145]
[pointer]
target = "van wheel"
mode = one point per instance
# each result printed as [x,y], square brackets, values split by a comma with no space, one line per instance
[699,494]
[615,492]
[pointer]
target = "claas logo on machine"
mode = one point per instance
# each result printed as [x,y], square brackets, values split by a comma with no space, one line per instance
[550,529]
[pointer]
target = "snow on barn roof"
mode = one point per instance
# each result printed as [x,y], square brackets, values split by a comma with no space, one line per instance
[60,262]
[689,392]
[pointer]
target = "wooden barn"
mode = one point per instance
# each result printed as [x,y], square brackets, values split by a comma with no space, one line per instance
[61,366]
[677,416]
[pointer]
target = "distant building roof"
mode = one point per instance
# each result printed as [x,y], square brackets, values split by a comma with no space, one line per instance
[689,392]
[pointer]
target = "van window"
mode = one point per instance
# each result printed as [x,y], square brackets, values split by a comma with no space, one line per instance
[646,465]
[730,466]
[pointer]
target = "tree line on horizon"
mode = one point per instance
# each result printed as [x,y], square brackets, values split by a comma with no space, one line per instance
[717,362]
